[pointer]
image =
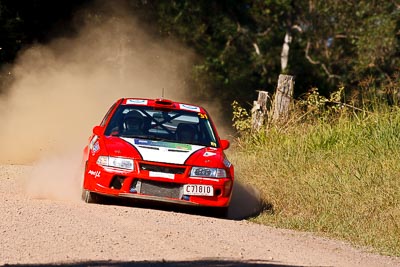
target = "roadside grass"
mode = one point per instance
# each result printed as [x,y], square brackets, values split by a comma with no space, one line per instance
[336,175]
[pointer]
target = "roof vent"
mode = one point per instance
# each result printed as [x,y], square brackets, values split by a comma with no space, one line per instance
[163,102]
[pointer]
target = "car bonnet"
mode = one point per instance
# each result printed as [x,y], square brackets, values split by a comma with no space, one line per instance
[161,151]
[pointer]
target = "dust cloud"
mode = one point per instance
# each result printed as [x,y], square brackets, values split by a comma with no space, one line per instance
[246,201]
[62,89]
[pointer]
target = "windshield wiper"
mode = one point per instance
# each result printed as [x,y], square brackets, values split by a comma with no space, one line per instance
[134,136]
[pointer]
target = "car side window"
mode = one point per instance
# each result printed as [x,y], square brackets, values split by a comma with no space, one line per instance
[115,124]
[103,122]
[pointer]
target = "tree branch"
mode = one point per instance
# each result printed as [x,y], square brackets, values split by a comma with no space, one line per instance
[330,75]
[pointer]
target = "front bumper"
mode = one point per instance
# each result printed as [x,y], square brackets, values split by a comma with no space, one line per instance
[158,182]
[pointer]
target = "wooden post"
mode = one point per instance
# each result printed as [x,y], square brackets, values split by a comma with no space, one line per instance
[283,97]
[259,111]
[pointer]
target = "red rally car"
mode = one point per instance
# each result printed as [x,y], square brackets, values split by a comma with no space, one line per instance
[160,150]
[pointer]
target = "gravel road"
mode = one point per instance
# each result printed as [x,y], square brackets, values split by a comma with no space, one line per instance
[39,231]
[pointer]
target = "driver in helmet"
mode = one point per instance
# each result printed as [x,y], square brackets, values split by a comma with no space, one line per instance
[133,123]
[185,133]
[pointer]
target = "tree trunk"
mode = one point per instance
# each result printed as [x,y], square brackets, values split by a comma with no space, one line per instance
[259,111]
[285,51]
[283,97]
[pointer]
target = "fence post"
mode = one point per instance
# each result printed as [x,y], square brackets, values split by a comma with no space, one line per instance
[283,97]
[259,111]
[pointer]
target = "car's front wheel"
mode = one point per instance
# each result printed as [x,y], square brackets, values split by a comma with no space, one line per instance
[220,212]
[89,197]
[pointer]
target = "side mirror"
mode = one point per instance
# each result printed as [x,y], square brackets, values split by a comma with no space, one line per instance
[98,130]
[224,144]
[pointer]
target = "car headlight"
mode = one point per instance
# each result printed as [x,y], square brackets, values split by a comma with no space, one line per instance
[122,163]
[207,172]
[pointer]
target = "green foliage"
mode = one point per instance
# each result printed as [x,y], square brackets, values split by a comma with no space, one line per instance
[335,174]
[318,105]
[241,119]
[354,39]
[25,22]
[314,100]
[224,34]
[239,43]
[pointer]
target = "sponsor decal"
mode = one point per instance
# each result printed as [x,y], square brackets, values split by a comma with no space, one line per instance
[203,116]
[227,163]
[136,102]
[162,144]
[92,145]
[209,154]
[96,147]
[96,174]
[189,107]
[162,174]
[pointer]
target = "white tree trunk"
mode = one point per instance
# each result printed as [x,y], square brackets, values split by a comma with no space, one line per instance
[285,51]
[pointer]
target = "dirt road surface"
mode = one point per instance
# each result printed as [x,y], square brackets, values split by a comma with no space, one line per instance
[50,232]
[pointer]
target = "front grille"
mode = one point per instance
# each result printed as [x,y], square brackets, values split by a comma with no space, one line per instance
[164,169]
[159,189]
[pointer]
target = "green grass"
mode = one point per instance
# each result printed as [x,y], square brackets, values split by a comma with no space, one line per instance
[339,177]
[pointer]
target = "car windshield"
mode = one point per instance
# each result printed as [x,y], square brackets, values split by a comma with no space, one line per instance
[168,125]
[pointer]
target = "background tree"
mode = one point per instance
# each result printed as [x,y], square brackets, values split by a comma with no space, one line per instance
[25,22]
[244,45]
[330,42]
[353,40]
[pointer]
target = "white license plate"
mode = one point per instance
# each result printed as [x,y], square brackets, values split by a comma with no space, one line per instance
[198,190]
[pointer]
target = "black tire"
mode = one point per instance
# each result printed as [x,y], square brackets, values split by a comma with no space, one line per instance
[220,212]
[90,197]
